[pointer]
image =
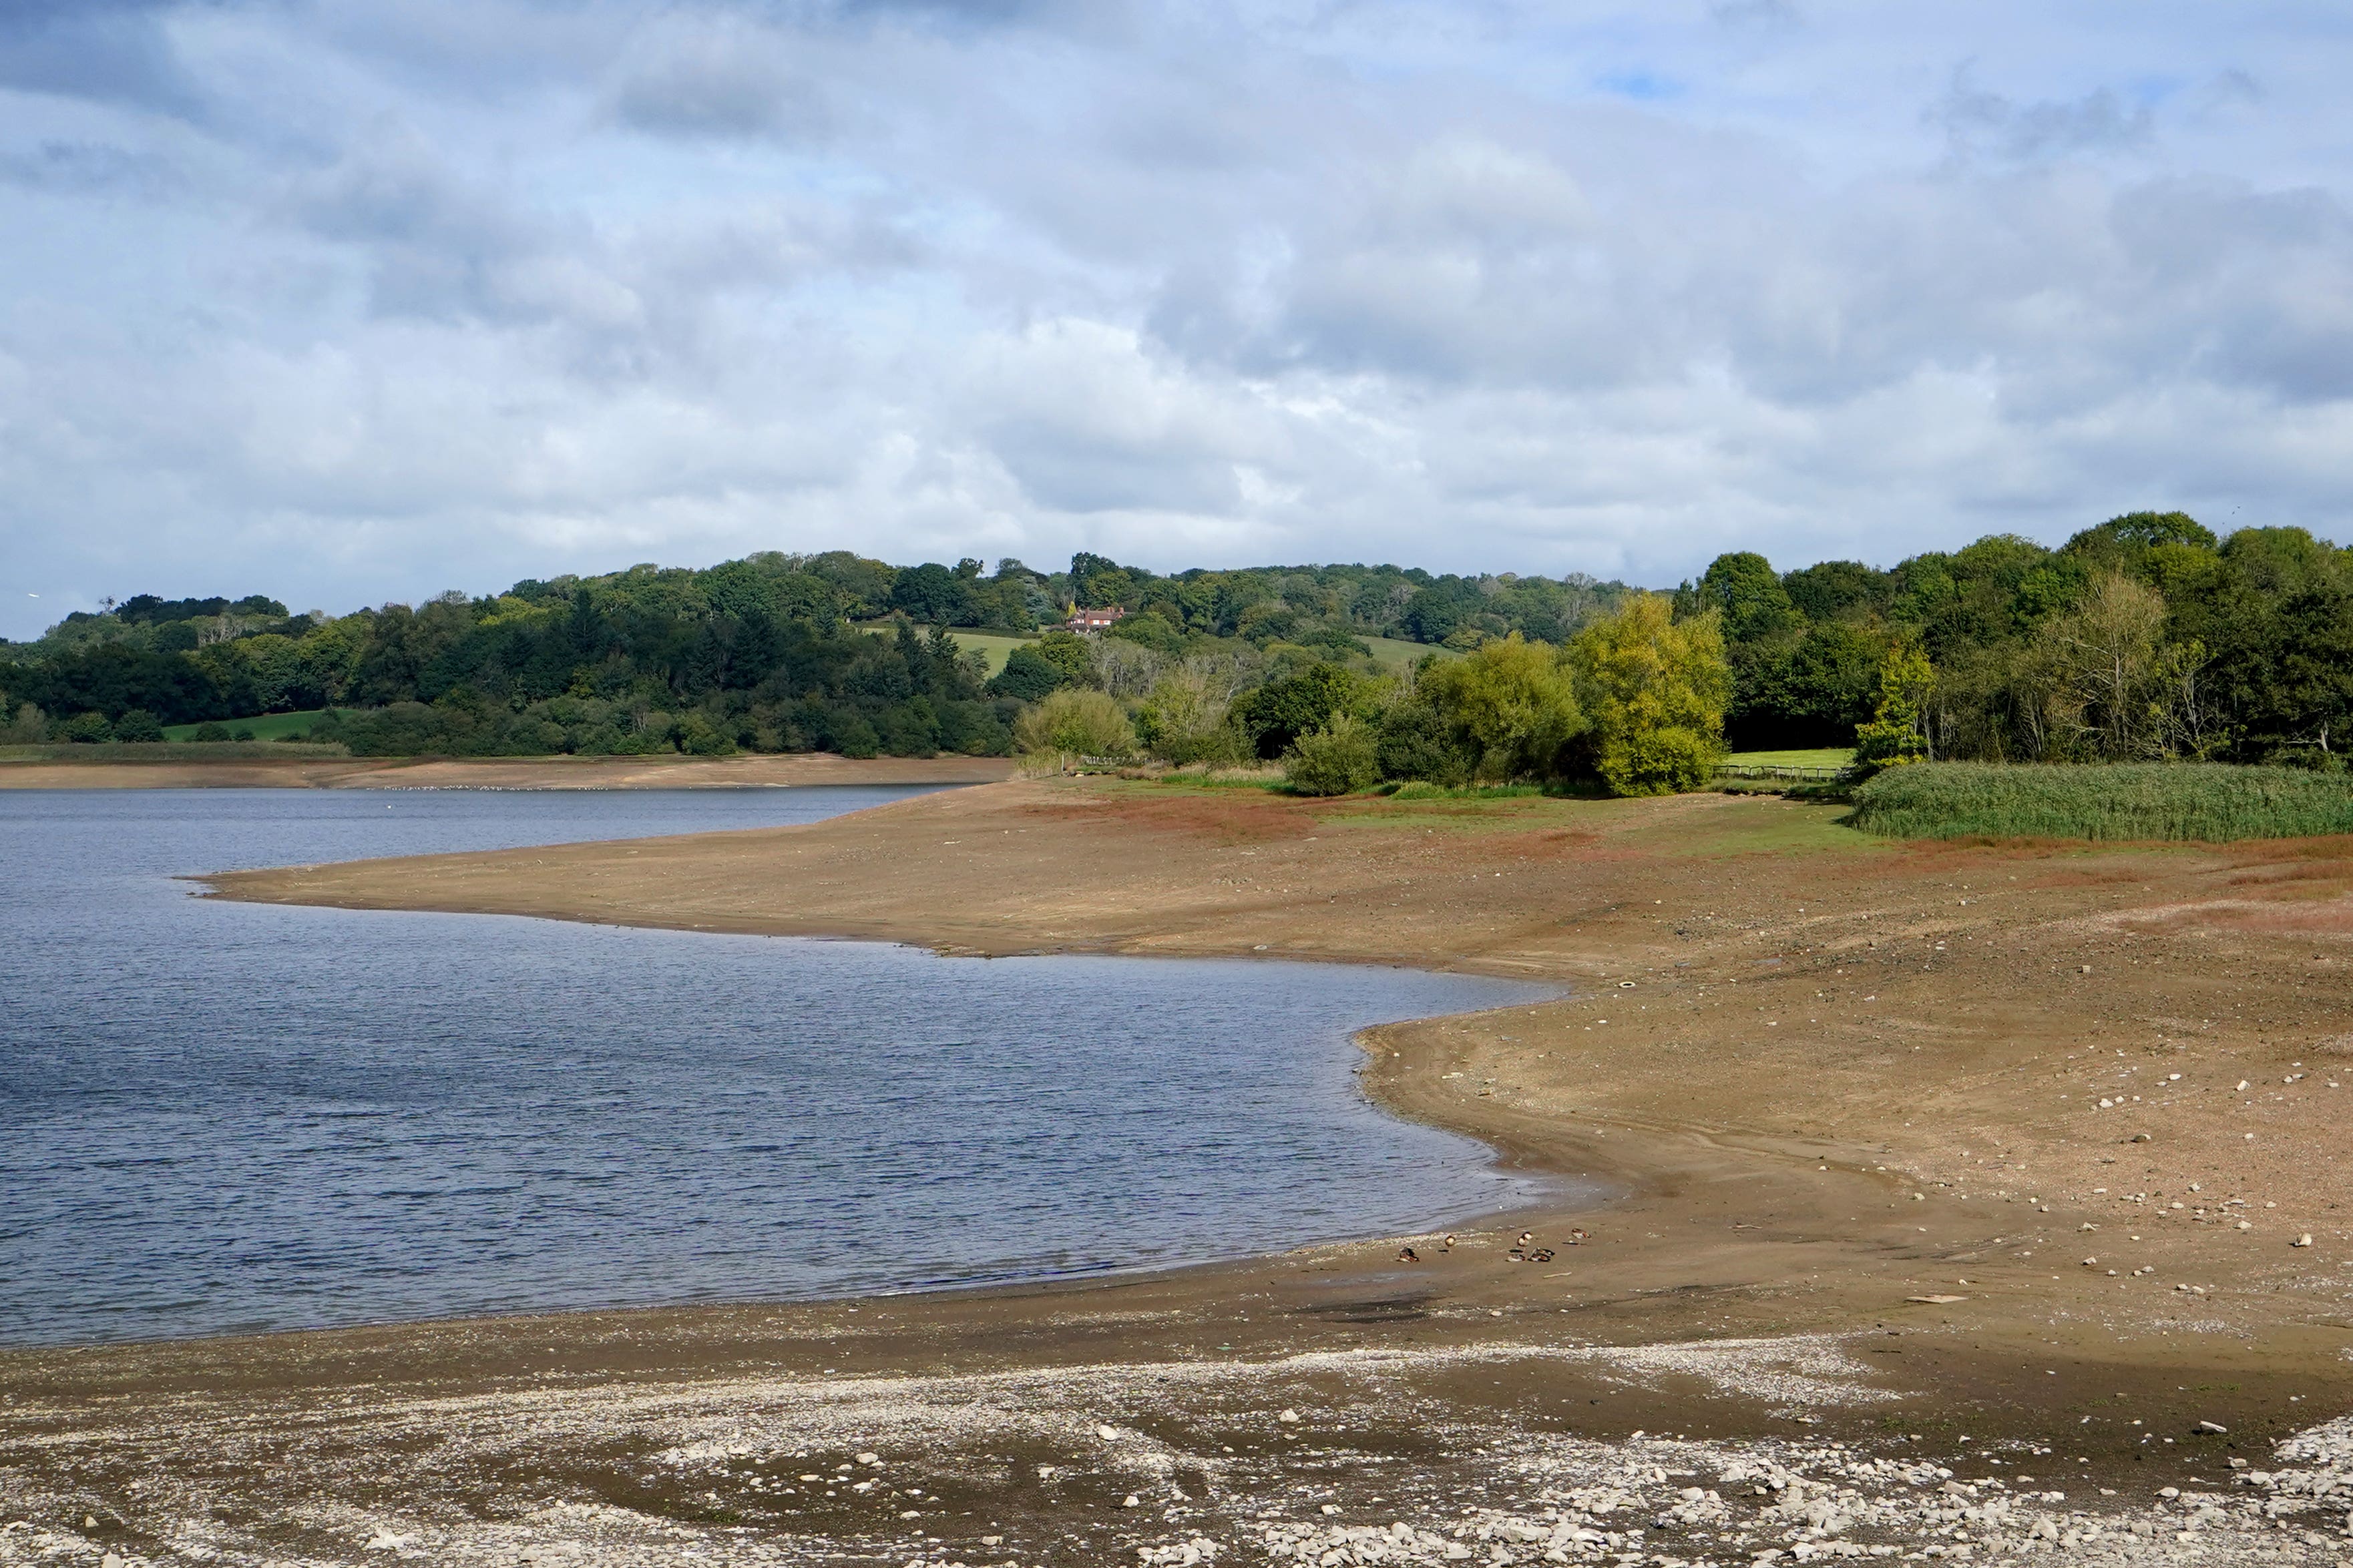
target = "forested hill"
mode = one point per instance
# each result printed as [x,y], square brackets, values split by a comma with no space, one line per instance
[761,653]
[2237,648]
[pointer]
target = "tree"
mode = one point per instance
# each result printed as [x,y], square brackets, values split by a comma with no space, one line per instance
[936,596]
[1656,692]
[1898,731]
[1027,676]
[1338,758]
[1184,719]
[1074,723]
[1276,714]
[1743,585]
[1509,707]
[86,729]
[1067,652]
[138,724]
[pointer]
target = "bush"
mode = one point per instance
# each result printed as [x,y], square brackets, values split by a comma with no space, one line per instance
[1338,758]
[1414,741]
[86,729]
[30,727]
[1182,720]
[699,737]
[853,736]
[2197,802]
[1075,724]
[138,724]
[1662,760]
[211,733]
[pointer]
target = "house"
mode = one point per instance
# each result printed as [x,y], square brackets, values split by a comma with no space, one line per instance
[1093,620]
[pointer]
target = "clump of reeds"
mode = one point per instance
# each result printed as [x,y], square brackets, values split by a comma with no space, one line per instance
[2194,802]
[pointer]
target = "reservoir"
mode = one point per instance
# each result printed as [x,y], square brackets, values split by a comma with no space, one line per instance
[220,1118]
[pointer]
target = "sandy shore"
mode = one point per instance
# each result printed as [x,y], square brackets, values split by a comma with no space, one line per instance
[503,773]
[1987,1160]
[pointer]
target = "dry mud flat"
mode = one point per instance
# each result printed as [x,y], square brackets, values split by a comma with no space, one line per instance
[1947,1180]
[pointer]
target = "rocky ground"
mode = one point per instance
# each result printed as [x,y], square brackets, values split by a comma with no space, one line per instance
[1379,1458]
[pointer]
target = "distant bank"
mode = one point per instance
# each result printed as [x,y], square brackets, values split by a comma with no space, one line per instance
[258,767]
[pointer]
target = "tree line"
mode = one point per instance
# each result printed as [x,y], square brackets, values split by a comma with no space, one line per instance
[2145,637]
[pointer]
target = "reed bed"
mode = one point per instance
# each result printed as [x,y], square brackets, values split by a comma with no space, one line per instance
[2189,802]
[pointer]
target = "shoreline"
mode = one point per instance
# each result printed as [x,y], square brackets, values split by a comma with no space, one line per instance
[767,771]
[1849,1089]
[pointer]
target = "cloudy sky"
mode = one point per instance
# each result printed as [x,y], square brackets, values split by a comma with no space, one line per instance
[345,300]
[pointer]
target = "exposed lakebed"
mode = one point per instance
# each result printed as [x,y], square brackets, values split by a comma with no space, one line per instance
[219,1118]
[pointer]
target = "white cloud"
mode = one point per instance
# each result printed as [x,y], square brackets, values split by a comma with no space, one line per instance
[348,301]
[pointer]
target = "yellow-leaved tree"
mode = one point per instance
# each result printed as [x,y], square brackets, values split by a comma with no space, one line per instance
[1655,693]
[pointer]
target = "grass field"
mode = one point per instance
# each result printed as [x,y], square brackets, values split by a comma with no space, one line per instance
[994,646]
[1822,757]
[2192,801]
[1396,657]
[267,727]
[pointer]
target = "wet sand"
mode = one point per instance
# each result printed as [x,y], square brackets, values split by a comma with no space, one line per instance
[1848,1094]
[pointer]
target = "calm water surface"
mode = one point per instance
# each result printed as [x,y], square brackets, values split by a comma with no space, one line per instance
[219,1117]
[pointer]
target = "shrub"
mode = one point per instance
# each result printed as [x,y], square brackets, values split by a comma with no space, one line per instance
[1338,758]
[211,732]
[1666,759]
[1073,722]
[86,729]
[2197,802]
[138,724]
[853,736]
[30,727]
[1184,720]
[1413,742]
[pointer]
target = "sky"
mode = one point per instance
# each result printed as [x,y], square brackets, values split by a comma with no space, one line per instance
[346,301]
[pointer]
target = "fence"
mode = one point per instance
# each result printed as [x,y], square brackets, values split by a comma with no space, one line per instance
[1796,772]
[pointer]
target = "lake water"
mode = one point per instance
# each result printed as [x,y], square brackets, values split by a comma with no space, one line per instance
[218,1117]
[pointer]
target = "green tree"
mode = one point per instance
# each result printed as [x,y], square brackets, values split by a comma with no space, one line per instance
[1027,676]
[138,724]
[1338,758]
[1185,719]
[1743,585]
[86,729]
[1074,723]
[1509,706]
[1898,731]
[1276,714]
[1067,652]
[1656,693]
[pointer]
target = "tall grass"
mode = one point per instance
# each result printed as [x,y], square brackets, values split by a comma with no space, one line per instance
[2196,802]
